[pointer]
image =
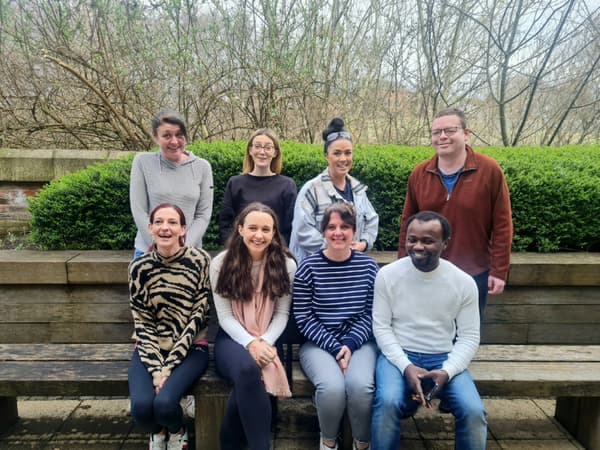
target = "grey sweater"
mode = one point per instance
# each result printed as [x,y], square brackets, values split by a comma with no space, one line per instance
[156,180]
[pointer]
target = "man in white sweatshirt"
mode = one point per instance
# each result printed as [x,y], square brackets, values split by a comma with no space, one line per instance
[426,322]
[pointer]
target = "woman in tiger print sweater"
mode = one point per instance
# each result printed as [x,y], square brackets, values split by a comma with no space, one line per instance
[169,291]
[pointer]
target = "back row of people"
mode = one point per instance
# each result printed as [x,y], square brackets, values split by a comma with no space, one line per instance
[338,327]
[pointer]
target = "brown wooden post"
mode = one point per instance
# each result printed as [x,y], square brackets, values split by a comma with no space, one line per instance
[8,412]
[581,418]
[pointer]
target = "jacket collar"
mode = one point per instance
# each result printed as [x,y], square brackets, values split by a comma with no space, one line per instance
[470,162]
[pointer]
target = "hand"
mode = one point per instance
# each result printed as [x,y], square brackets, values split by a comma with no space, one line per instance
[262,352]
[495,285]
[360,246]
[439,378]
[160,385]
[413,375]
[343,358]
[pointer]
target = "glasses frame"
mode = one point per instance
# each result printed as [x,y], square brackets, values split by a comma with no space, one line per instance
[265,148]
[449,131]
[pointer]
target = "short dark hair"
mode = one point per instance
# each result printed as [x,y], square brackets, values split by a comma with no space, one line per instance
[453,112]
[171,117]
[428,216]
[345,210]
[179,213]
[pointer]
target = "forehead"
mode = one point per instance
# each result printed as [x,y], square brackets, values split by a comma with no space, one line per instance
[168,128]
[262,139]
[339,145]
[166,213]
[431,228]
[446,121]
[258,218]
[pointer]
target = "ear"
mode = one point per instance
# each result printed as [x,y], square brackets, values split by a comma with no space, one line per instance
[467,134]
[240,227]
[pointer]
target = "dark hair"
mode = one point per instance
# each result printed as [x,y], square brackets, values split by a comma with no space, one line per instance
[428,216]
[177,210]
[235,281]
[171,117]
[334,131]
[276,162]
[345,210]
[453,112]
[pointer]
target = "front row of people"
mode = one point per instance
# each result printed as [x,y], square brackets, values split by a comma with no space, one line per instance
[420,311]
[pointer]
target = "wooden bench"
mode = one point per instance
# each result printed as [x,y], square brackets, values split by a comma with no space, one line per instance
[65,330]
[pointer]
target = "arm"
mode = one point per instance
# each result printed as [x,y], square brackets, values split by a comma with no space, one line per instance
[371,223]
[197,321]
[467,331]
[289,200]
[225,316]
[138,200]
[502,232]
[382,325]
[282,310]
[361,325]
[203,208]
[308,322]
[306,235]
[227,214]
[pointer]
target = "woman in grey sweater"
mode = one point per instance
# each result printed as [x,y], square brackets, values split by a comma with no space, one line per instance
[171,175]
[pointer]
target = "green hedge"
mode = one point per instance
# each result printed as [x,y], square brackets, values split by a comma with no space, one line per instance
[555,194]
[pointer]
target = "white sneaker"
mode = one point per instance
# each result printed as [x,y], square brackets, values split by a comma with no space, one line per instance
[322,446]
[178,441]
[158,442]
[188,404]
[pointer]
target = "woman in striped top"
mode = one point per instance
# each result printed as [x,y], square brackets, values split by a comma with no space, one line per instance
[169,290]
[332,303]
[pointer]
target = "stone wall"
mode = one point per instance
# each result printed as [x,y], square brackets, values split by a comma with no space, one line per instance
[24,172]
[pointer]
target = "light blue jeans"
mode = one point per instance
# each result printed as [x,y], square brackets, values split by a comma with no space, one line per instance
[334,391]
[393,402]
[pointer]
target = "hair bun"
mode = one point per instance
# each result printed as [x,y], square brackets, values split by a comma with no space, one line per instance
[336,125]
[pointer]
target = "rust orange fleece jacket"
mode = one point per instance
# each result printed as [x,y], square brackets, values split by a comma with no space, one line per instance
[478,210]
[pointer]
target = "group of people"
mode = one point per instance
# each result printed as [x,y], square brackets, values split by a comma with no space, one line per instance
[375,343]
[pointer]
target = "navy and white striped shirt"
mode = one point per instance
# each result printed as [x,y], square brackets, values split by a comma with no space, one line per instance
[333,301]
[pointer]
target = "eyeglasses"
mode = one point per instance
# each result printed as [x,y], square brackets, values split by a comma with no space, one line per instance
[447,131]
[266,148]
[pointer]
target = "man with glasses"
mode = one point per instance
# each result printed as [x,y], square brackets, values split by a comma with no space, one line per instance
[470,190]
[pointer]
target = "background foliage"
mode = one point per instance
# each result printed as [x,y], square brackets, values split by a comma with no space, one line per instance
[555,194]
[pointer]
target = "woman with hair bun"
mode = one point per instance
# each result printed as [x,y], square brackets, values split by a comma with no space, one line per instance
[334,184]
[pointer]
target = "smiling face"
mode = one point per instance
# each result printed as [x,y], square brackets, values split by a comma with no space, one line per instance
[424,244]
[445,145]
[171,141]
[338,234]
[167,231]
[339,158]
[257,233]
[262,151]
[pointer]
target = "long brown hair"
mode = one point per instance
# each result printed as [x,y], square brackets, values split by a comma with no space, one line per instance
[235,281]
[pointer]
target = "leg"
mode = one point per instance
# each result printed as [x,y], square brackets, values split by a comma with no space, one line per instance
[360,389]
[249,408]
[323,371]
[167,408]
[141,391]
[392,403]
[482,288]
[470,417]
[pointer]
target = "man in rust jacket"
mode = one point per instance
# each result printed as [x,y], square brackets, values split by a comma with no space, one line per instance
[470,190]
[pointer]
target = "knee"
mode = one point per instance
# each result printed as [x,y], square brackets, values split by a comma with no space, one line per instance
[248,376]
[473,412]
[388,401]
[142,410]
[359,389]
[166,407]
[331,392]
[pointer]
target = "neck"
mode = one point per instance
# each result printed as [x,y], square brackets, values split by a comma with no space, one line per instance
[262,172]
[167,252]
[339,181]
[337,255]
[451,163]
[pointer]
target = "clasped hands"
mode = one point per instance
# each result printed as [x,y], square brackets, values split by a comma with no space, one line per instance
[415,375]
[262,352]
[343,358]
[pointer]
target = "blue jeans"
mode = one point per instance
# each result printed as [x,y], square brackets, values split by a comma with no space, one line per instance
[393,402]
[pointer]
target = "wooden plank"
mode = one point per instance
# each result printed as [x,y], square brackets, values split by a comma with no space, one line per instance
[65,352]
[554,269]
[28,266]
[99,267]
[58,294]
[555,333]
[505,333]
[548,353]
[546,295]
[581,418]
[66,332]
[8,412]
[586,314]
[66,312]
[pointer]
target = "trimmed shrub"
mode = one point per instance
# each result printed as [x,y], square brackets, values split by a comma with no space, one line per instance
[555,194]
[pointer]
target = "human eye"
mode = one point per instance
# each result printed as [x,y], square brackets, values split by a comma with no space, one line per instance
[436,132]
